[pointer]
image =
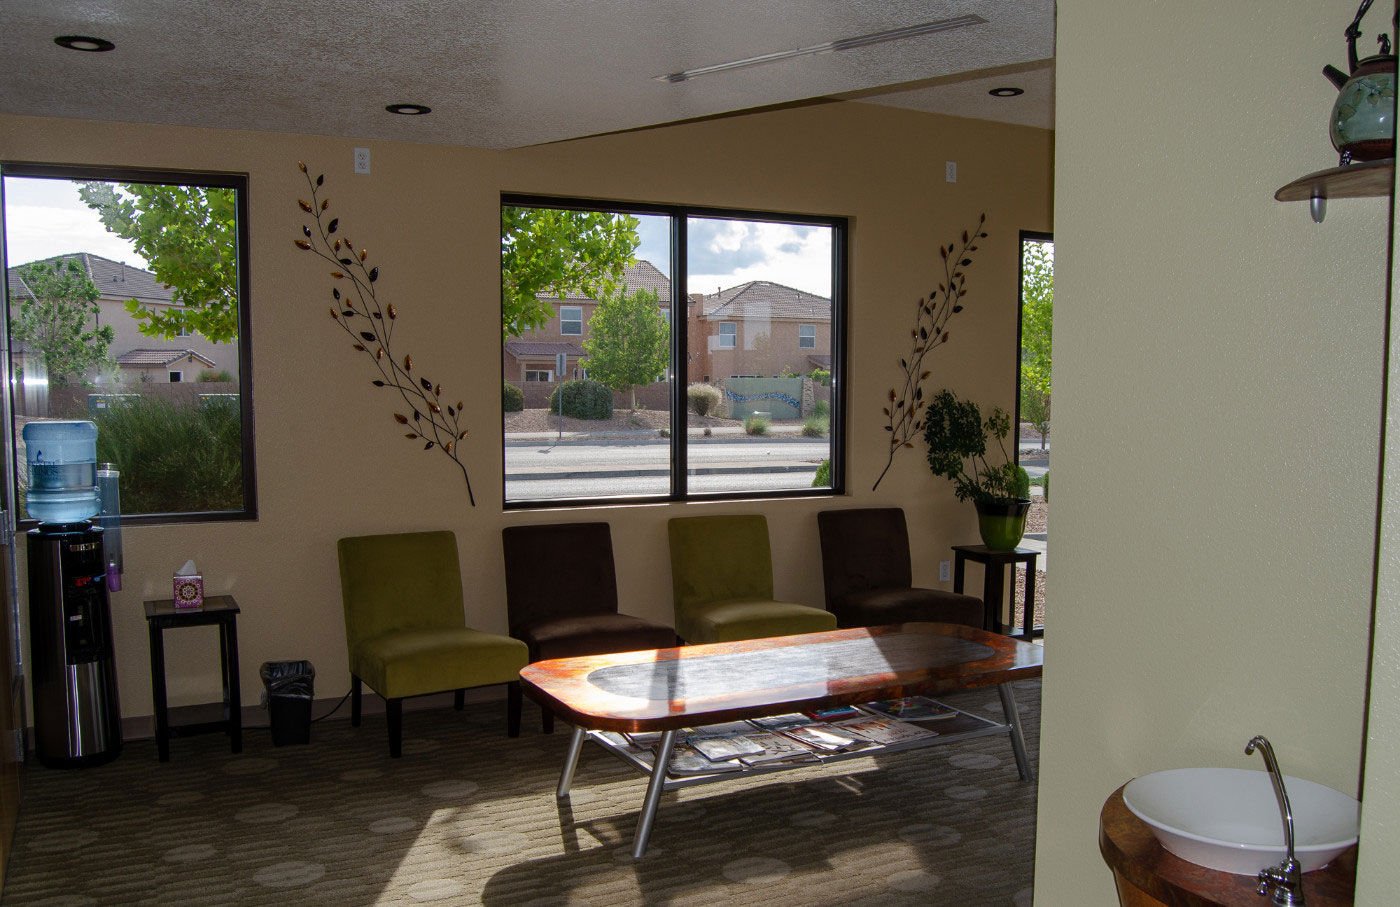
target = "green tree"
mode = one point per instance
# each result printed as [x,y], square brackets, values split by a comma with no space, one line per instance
[629,343]
[57,317]
[189,235]
[551,252]
[1037,315]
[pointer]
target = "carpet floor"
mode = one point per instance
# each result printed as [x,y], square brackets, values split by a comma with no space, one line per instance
[468,816]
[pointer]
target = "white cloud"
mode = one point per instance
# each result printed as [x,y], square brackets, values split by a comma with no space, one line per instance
[724,254]
[45,217]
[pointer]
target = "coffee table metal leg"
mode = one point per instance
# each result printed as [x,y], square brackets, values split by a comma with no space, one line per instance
[1018,740]
[566,779]
[654,788]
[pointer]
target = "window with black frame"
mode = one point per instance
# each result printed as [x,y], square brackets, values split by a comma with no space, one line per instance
[625,382]
[127,307]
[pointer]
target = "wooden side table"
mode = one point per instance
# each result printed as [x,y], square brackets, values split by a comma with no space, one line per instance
[994,565]
[217,609]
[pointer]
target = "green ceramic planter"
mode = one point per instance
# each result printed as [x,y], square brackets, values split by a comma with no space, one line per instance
[1002,525]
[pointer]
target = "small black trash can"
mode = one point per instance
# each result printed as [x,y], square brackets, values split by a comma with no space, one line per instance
[287,691]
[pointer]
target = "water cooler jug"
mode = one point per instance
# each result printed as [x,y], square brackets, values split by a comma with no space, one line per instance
[77,715]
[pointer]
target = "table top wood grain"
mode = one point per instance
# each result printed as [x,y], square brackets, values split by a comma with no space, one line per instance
[664,689]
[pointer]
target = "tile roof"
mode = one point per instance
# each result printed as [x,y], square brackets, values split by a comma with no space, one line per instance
[820,361]
[114,280]
[518,348]
[152,358]
[765,299]
[642,275]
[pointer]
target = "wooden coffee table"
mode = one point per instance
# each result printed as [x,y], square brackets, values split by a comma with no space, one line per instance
[692,686]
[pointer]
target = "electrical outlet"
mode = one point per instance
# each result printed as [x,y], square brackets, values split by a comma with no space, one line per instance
[945,571]
[950,171]
[362,160]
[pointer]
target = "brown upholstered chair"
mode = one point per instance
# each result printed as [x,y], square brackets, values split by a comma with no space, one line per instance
[561,595]
[865,565]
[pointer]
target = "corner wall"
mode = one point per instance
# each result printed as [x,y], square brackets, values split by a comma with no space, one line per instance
[329,461]
[1219,365]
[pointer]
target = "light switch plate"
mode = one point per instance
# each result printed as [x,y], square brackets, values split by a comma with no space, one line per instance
[362,160]
[945,571]
[950,171]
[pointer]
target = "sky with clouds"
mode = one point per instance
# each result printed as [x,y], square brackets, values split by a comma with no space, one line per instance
[45,217]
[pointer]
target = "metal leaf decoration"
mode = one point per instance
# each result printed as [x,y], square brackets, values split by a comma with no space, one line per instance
[905,420]
[437,429]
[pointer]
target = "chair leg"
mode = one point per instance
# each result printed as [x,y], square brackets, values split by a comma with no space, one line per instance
[513,704]
[459,700]
[547,720]
[393,708]
[354,701]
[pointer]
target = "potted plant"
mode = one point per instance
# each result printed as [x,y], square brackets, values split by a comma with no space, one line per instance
[957,440]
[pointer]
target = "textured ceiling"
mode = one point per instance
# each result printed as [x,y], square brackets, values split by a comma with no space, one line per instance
[966,95]
[497,73]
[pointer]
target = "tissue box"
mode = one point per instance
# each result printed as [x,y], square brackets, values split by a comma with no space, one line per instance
[189,591]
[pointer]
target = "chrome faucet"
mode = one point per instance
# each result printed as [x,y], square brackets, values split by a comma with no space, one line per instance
[1286,878]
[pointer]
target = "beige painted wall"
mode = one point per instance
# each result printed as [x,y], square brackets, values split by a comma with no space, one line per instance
[1219,364]
[330,462]
[1380,815]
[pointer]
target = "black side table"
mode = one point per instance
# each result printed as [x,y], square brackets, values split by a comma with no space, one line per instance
[217,609]
[994,565]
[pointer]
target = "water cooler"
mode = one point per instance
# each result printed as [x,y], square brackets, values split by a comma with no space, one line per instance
[77,715]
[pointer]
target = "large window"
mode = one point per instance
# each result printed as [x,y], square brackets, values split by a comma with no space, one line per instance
[711,341]
[127,307]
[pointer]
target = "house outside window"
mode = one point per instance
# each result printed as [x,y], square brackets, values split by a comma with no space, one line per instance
[539,375]
[654,336]
[108,368]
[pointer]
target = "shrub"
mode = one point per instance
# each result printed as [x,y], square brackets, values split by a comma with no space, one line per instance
[584,398]
[512,398]
[1045,485]
[704,398]
[821,408]
[756,425]
[823,477]
[816,427]
[1021,485]
[821,376]
[211,376]
[173,457]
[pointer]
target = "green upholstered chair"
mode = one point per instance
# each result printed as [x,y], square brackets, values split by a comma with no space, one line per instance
[722,579]
[406,631]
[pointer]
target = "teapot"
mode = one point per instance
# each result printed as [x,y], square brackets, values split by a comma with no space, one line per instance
[1363,116]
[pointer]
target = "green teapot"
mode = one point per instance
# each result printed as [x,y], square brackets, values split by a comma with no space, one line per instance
[1363,117]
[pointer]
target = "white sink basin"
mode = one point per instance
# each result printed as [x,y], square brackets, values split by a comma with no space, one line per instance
[1229,819]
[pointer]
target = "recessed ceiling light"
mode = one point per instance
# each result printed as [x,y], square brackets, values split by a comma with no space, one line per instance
[409,110]
[1007,92]
[84,43]
[879,37]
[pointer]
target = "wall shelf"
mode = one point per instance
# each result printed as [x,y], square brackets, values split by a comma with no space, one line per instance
[1366,180]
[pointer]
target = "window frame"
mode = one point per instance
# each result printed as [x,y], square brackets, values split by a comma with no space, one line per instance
[801,337]
[203,178]
[578,321]
[732,334]
[680,377]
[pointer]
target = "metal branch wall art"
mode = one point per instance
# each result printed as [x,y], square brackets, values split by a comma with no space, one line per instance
[370,324]
[904,414]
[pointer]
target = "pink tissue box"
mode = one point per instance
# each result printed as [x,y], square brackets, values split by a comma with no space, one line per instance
[189,591]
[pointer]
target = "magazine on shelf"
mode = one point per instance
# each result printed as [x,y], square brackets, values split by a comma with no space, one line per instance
[912,708]
[778,722]
[826,738]
[686,761]
[728,729]
[835,713]
[885,731]
[720,749]
[777,749]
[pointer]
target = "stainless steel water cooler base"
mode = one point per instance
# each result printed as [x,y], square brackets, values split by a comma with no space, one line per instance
[77,713]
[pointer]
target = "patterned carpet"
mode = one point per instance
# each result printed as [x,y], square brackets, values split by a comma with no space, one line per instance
[468,816]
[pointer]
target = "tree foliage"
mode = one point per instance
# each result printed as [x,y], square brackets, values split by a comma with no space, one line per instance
[552,252]
[629,343]
[57,317]
[1037,314]
[189,235]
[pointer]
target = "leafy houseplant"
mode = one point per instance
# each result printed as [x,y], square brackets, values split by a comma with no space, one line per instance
[958,438]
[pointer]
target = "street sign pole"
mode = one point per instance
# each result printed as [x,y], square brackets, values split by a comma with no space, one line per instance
[561,362]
